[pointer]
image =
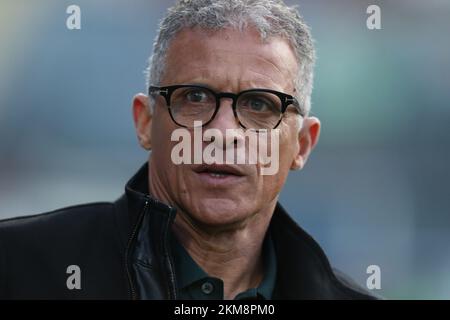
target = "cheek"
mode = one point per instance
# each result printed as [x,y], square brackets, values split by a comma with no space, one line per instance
[162,128]
[162,148]
[271,185]
[289,145]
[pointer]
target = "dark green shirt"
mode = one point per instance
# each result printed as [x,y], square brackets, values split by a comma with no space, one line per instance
[195,284]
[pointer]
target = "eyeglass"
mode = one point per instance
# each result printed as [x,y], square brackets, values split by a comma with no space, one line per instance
[254,108]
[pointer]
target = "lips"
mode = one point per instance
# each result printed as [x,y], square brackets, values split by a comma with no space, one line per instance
[219,170]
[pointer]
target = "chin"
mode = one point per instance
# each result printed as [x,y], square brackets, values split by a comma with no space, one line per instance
[221,212]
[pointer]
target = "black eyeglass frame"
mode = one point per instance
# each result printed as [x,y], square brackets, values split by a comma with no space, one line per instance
[286,100]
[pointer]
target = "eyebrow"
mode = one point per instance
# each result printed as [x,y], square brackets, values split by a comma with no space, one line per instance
[201,84]
[205,85]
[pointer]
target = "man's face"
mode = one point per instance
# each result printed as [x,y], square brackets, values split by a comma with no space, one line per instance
[226,61]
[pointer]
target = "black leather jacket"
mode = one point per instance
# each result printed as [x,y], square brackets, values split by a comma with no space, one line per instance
[122,251]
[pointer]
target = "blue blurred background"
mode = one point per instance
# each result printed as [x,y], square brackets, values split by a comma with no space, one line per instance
[376,189]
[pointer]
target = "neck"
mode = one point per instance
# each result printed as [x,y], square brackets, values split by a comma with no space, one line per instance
[231,254]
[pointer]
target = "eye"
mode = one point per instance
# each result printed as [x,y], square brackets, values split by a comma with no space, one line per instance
[258,104]
[196,96]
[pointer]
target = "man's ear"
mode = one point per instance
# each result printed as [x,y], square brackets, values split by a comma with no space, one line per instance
[142,117]
[308,136]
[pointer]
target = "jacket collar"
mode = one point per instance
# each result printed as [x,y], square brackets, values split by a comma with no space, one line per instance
[130,204]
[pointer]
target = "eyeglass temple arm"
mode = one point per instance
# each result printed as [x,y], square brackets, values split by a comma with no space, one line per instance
[296,104]
[157,90]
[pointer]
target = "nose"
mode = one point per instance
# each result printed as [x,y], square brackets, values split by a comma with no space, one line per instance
[224,120]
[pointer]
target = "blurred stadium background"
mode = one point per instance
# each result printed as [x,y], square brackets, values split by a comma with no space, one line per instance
[376,189]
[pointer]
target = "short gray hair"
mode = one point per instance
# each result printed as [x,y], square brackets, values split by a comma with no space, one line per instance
[272,18]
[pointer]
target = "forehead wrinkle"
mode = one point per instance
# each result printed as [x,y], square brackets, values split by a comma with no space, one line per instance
[277,78]
[217,81]
[273,82]
[244,82]
[225,65]
[281,68]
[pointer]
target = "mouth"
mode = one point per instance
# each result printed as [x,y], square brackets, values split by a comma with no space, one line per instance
[218,174]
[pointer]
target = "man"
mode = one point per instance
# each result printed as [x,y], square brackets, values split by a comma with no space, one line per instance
[196,230]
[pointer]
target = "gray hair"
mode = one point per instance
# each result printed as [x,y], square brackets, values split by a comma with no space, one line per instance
[272,18]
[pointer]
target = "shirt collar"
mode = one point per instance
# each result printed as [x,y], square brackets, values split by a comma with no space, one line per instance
[188,272]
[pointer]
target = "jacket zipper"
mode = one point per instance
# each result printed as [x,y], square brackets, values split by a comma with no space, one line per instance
[132,290]
[172,288]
